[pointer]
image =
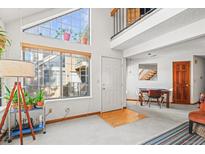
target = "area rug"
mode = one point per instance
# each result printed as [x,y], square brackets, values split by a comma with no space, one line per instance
[121,117]
[177,136]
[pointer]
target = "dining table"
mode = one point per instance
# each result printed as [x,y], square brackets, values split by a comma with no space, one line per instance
[143,91]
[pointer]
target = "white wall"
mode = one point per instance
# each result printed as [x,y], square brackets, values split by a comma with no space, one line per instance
[1,23]
[2,108]
[101,31]
[164,62]
[164,73]
[198,77]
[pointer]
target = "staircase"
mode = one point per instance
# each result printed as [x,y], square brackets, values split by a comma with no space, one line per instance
[148,75]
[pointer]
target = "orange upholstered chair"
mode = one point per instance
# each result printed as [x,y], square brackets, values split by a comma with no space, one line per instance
[197,117]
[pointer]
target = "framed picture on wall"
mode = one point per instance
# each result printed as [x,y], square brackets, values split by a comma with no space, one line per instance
[148,72]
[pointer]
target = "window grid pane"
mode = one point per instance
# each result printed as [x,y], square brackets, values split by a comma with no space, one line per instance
[73,27]
[58,75]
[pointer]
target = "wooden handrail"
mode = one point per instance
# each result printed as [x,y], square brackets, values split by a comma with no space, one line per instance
[114,11]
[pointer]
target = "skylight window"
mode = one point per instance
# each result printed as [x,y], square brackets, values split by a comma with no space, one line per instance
[73,27]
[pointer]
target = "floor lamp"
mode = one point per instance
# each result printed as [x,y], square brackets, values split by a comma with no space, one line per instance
[18,69]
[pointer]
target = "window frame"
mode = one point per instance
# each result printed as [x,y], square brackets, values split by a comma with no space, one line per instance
[42,21]
[62,52]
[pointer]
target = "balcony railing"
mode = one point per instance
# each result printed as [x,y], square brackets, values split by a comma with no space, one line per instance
[125,17]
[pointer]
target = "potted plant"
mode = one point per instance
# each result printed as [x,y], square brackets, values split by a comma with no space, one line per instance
[67,35]
[29,101]
[15,98]
[85,36]
[59,32]
[4,41]
[39,99]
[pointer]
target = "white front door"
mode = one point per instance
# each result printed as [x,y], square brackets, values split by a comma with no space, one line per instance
[111,92]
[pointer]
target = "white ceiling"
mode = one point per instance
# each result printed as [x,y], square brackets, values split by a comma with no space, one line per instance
[11,14]
[197,45]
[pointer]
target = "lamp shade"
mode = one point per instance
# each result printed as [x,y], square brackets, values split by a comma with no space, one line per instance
[16,68]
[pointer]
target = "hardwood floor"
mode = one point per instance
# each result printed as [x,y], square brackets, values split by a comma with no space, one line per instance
[121,117]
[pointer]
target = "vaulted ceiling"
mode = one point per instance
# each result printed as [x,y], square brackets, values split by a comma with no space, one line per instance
[10,14]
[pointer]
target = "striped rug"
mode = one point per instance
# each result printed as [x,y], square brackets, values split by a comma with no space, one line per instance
[177,136]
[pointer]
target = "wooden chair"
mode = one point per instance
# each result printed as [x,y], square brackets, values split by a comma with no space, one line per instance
[157,95]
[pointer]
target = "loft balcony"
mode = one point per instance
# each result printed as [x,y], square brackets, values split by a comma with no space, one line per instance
[137,32]
[123,18]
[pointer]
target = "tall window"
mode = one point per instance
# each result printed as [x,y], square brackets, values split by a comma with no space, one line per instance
[73,27]
[60,75]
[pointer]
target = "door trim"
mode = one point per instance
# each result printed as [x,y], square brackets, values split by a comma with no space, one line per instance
[189,102]
[122,62]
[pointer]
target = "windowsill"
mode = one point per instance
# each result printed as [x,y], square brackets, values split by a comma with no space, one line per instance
[2,108]
[67,99]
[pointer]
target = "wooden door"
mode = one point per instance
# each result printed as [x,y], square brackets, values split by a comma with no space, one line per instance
[181,82]
[132,15]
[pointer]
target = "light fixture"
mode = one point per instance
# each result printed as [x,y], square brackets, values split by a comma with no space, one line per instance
[17,68]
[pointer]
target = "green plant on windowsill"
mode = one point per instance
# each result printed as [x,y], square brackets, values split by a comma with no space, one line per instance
[65,33]
[30,101]
[15,98]
[84,37]
[39,99]
[4,41]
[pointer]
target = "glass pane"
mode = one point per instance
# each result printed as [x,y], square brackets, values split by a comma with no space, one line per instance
[75,76]
[48,76]
[54,76]
[46,25]
[44,31]
[73,27]
[31,84]
[55,25]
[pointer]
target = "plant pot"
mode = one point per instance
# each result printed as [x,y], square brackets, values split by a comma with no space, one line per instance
[2,42]
[84,40]
[40,104]
[29,107]
[66,36]
[14,105]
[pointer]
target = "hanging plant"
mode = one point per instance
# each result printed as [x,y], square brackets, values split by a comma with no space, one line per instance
[4,41]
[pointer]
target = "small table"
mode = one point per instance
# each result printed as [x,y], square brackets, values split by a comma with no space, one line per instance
[146,90]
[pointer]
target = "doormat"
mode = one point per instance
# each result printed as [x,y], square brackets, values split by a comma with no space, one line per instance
[121,117]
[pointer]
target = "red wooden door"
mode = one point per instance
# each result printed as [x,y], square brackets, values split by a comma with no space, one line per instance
[181,82]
